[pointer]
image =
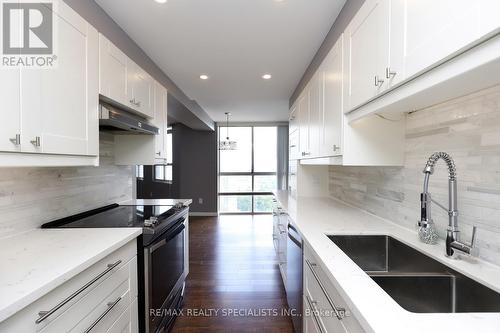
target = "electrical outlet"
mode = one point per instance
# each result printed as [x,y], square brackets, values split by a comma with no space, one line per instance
[200,201]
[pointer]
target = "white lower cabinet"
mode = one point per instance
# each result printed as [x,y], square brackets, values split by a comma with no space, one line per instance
[326,311]
[280,235]
[103,298]
[311,323]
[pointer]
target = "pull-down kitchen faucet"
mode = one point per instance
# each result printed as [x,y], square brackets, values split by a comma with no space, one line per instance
[427,232]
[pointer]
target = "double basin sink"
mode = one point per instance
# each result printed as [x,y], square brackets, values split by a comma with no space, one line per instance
[415,281]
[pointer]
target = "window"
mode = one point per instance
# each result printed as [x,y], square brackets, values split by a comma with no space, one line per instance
[139,171]
[163,172]
[247,175]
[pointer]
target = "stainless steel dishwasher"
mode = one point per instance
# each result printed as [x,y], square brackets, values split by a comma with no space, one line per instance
[293,284]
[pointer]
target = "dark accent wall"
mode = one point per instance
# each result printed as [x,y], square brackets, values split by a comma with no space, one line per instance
[194,170]
[96,16]
[350,9]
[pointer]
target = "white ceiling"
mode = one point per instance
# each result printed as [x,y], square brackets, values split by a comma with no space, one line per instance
[234,42]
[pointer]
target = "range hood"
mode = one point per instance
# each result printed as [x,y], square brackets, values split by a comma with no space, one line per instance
[119,121]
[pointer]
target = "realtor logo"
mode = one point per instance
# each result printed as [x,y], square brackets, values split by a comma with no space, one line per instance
[28,34]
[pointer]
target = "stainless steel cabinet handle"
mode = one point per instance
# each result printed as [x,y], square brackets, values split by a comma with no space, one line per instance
[312,305]
[16,140]
[389,73]
[340,313]
[335,147]
[378,81]
[46,314]
[111,305]
[158,153]
[36,142]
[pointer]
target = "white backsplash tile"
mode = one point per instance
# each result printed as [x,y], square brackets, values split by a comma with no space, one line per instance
[468,128]
[30,197]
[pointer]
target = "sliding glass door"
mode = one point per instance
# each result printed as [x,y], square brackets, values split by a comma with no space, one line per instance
[248,174]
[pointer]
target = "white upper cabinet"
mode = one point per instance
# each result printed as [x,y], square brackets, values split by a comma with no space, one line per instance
[140,89]
[331,76]
[303,119]
[367,52]
[315,115]
[113,76]
[292,120]
[430,31]
[10,126]
[160,120]
[60,104]
[123,82]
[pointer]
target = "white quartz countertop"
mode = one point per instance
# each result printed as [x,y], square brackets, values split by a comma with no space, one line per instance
[35,262]
[157,202]
[372,306]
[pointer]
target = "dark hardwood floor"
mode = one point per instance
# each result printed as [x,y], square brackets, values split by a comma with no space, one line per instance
[233,268]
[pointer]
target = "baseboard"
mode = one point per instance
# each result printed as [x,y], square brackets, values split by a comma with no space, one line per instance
[203,214]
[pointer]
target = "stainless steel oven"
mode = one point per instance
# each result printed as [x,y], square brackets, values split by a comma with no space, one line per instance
[164,275]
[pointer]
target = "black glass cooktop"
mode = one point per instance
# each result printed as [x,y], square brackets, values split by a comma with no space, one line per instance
[115,216]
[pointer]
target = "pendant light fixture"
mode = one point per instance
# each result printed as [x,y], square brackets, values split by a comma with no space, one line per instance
[227,144]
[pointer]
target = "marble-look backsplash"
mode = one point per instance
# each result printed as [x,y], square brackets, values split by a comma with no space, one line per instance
[30,197]
[468,128]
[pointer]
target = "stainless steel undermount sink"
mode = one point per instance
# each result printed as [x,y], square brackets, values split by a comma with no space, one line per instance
[415,281]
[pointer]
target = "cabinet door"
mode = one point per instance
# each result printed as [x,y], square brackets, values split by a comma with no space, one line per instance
[430,36]
[140,90]
[292,120]
[303,117]
[160,121]
[112,71]
[310,323]
[315,115]
[293,148]
[332,91]
[10,125]
[367,52]
[58,103]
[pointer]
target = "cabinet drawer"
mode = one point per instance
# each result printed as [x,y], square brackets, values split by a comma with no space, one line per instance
[82,293]
[127,321]
[99,308]
[310,323]
[324,296]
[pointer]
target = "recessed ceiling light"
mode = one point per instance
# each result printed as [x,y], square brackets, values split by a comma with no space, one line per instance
[267,76]
[204,76]
[161,1]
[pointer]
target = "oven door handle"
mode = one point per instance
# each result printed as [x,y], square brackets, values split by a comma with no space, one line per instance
[293,239]
[168,236]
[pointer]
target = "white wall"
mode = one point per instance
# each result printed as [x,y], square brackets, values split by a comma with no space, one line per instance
[469,129]
[30,197]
